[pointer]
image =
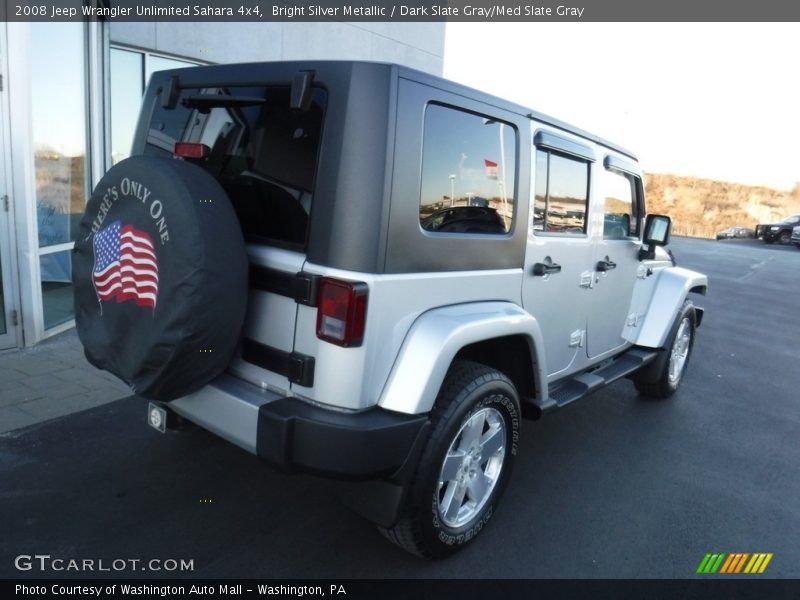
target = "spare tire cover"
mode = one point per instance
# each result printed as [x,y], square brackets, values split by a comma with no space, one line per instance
[160,276]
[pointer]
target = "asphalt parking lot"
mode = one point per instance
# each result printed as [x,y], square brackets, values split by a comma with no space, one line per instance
[613,486]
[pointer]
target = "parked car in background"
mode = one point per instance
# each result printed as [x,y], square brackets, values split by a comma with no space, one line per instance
[796,236]
[778,232]
[465,219]
[736,232]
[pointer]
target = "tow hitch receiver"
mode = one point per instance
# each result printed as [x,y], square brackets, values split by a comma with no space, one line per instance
[157,417]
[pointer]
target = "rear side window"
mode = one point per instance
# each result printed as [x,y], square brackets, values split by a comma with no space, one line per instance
[562,193]
[468,173]
[263,153]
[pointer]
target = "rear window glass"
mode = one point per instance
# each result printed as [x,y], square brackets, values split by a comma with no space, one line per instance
[468,173]
[262,152]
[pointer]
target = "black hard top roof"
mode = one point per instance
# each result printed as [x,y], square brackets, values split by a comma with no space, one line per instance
[243,72]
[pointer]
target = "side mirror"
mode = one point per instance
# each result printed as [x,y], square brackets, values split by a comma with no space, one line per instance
[656,233]
[657,229]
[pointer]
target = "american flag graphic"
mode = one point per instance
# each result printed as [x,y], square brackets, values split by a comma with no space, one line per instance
[125,266]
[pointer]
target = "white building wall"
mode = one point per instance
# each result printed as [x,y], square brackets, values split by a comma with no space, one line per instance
[416,45]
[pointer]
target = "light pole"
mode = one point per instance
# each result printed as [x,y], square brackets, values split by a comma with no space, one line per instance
[502,181]
[503,174]
[452,188]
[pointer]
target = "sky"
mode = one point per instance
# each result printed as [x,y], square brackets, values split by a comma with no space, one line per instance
[712,100]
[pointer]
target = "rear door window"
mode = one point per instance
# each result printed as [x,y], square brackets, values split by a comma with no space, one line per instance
[562,194]
[262,152]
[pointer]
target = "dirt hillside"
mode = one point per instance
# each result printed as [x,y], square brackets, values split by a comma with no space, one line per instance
[702,207]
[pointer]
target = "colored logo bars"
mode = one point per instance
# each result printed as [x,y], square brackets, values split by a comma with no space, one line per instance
[738,562]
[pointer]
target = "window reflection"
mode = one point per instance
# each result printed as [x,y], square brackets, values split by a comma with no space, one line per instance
[58,109]
[562,186]
[2,305]
[130,71]
[56,274]
[127,86]
[468,173]
[620,215]
[540,186]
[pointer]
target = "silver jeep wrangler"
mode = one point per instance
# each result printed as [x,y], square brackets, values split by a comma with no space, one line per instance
[366,272]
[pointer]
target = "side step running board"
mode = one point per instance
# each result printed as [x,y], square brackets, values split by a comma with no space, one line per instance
[585,383]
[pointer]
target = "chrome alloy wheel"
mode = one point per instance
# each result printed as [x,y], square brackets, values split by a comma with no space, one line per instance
[471,467]
[680,351]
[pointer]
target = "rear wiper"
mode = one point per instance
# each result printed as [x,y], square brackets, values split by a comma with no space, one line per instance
[207,101]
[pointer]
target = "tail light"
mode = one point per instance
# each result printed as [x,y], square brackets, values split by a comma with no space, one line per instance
[191,150]
[342,312]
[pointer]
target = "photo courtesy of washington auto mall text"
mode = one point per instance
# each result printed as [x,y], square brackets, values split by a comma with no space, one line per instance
[62,590]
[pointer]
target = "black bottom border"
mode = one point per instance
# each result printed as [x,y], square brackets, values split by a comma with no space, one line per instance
[405,589]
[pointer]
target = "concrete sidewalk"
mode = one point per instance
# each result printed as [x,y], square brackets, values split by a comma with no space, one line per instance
[51,380]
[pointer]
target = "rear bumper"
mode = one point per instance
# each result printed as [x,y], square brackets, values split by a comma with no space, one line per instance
[296,436]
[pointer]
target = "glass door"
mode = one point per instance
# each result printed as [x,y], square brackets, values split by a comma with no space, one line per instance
[8,337]
[8,312]
[59,108]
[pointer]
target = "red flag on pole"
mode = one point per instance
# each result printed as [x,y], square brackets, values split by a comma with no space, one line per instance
[491,169]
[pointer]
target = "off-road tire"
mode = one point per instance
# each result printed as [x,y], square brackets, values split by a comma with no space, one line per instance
[655,380]
[470,389]
[784,237]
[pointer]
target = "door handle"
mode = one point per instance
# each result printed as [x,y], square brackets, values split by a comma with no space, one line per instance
[540,269]
[605,265]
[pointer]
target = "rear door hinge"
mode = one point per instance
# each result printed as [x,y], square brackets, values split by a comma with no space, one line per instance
[1,83]
[5,203]
[14,318]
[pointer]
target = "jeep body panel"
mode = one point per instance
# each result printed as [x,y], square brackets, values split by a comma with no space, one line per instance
[353,378]
[438,335]
[596,270]
[537,283]
[270,318]
[671,286]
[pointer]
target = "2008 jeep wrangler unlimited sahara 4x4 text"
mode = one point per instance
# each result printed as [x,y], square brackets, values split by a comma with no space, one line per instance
[366,272]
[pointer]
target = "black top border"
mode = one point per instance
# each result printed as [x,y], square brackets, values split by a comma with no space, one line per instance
[478,11]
